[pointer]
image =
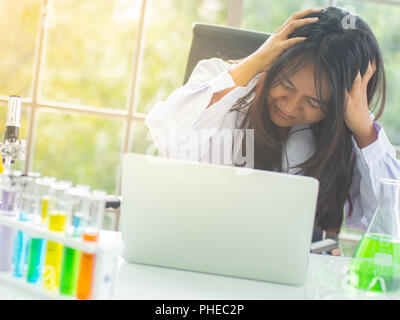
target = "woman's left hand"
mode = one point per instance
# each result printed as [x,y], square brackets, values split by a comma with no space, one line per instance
[356,114]
[337,252]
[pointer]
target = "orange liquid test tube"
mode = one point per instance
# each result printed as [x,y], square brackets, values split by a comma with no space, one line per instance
[84,288]
[86,276]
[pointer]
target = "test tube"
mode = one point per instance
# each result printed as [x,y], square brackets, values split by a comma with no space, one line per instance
[79,205]
[21,240]
[37,245]
[9,207]
[84,290]
[46,197]
[83,186]
[57,219]
[34,176]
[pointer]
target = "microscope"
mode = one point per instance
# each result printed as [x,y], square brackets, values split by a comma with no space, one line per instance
[12,147]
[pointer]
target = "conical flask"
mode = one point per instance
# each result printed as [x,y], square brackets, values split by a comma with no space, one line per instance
[376,263]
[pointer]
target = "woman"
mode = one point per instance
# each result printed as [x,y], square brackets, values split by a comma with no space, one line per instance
[307,93]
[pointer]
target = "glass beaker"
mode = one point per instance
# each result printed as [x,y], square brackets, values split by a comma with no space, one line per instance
[380,245]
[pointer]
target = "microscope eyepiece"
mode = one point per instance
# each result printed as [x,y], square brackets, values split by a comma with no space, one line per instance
[12,147]
[13,120]
[14,112]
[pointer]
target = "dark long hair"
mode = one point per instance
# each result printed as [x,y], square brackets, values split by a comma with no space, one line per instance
[337,54]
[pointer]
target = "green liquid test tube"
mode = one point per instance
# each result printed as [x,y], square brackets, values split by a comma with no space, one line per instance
[79,205]
[35,257]
[37,246]
[69,273]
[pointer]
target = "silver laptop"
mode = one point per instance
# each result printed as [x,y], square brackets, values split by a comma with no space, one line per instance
[217,219]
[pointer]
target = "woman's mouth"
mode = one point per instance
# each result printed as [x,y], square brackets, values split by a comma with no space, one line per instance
[282,114]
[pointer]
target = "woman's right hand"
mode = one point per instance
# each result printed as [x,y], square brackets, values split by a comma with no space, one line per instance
[279,40]
[262,59]
[270,50]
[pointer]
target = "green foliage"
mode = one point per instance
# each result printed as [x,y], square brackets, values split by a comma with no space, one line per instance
[18,26]
[88,54]
[83,149]
[88,61]
[167,43]
[269,15]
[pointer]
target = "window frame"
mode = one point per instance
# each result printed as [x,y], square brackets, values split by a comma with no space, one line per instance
[129,115]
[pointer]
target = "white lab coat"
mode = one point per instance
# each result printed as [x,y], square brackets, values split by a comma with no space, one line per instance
[185,110]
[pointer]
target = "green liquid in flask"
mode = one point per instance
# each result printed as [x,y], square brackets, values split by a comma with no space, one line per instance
[376,266]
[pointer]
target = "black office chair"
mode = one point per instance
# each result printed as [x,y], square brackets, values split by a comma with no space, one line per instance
[211,41]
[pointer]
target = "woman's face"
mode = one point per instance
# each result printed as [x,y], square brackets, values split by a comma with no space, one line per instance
[294,101]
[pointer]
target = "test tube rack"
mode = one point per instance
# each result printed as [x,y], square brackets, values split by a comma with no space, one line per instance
[109,241]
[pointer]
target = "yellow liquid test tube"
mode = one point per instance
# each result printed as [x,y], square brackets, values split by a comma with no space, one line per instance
[47,206]
[1,163]
[52,264]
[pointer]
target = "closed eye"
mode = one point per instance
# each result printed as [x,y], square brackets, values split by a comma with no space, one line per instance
[316,104]
[287,84]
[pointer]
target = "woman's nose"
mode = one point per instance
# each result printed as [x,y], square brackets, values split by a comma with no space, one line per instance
[291,106]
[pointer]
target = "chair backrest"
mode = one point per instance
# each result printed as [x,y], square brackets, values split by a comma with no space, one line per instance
[211,41]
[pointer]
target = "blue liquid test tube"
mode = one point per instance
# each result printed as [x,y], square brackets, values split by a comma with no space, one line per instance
[31,209]
[21,240]
[20,248]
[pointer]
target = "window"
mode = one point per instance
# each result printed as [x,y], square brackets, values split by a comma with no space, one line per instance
[88,55]
[268,16]
[89,71]
[167,44]
[78,147]
[384,22]
[18,26]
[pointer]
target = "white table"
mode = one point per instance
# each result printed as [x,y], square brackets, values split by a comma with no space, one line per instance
[144,282]
[139,282]
[136,281]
